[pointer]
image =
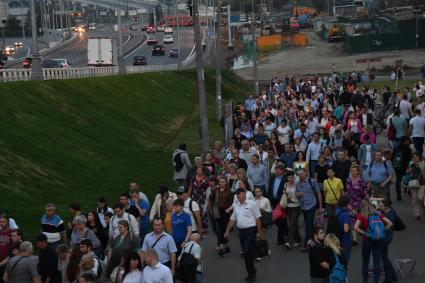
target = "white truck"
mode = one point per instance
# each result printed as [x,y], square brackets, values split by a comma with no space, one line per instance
[101,51]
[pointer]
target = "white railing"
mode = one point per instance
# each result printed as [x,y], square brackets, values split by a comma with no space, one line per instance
[12,75]
[150,68]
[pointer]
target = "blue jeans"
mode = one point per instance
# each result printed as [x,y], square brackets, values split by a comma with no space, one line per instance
[308,223]
[346,249]
[375,248]
[418,143]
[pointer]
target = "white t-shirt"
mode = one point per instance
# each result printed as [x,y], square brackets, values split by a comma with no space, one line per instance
[133,277]
[195,207]
[418,127]
[246,214]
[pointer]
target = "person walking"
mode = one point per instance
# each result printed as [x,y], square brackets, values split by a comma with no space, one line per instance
[47,260]
[159,207]
[194,248]
[333,189]
[332,244]
[155,271]
[317,257]
[5,243]
[247,217]
[277,189]
[310,198]
[313,153]
[182,225]
[181,164]
[417,131]
[343,221]
[293,210]
[22,268]
[369,244]
[400,162]
[162,243]
[220,205]
[379,176]
[121,215]
[416,171]
[257,174]
[125,242]
[391,214]
[81,232]
[132,269]
[53,226]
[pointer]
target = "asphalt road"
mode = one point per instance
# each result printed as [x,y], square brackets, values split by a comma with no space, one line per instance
[186,44]
[292,266]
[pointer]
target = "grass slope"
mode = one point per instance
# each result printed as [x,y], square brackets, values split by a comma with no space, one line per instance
[76,140]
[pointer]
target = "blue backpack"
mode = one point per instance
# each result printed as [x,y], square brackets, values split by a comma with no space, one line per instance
[338,274]
[376,228]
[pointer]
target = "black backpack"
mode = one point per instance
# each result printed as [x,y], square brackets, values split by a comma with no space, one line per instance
[186,268]
[178,161]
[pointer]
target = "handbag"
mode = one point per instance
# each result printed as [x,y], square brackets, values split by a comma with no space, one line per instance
[215,210]
[391,132]
[414,183]
[260,249]
[319,220]
[399,224]
[278,213]
[266,218]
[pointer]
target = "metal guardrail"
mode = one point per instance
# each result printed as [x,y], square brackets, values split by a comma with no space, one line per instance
[13,75]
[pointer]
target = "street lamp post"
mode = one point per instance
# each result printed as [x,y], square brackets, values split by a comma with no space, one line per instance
[36,71]
[254,49]
[176,18]
[121,62]
[230,44]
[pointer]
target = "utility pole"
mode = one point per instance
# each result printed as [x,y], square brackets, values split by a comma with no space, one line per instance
[121,62]
[200,78]
[254,49]
[36,71]
[218,63]
[176,18]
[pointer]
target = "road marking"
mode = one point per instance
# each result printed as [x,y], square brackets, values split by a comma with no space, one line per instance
[128,39]
[138,48]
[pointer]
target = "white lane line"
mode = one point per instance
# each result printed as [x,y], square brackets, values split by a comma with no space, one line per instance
[128,39]
[29,51]
[138,48]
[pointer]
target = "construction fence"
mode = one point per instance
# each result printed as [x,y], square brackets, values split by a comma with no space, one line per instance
[278,42]
[379,42]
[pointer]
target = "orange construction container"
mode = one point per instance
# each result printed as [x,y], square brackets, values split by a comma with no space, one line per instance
[276,42]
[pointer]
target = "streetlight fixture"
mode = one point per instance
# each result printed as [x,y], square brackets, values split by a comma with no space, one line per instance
[36,71]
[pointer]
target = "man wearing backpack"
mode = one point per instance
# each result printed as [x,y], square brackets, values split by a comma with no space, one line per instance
[379,176]
[191,207]
[86,248]
[194,249]
[181,164]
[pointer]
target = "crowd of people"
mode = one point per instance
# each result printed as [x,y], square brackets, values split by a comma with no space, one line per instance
[304,156]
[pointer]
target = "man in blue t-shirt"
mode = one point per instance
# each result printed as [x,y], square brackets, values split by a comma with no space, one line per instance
[344,225]
[181,224]
[143,207]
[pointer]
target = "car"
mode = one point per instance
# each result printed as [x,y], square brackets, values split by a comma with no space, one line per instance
[9,49]
[168,39]
[150,29]
[139,60]
[174,52]
[168,30]
[160,28]
[144,28]
[50,64]
[158,49]
[152,41]
[26,64]
[81,29]
[63,62]
[19,44]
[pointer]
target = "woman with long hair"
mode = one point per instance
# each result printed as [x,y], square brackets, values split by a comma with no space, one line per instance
[73,268]
[300,163]
[293,210]
[355,126]
[115,268]
[198,191]
[220,205]
[416,172]
[210,164]
[132,269]
[369,245]
[332,243]
[242,177]
[94,224]
[125,242]
[232,176]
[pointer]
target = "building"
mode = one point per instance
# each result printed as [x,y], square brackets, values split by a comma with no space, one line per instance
[346,7]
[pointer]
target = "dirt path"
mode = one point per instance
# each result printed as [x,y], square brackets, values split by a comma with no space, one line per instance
[318,57]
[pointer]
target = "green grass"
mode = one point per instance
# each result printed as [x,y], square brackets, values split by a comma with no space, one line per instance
[401,84]
[75,140]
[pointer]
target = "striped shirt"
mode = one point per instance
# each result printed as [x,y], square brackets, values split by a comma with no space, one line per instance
[52,227]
